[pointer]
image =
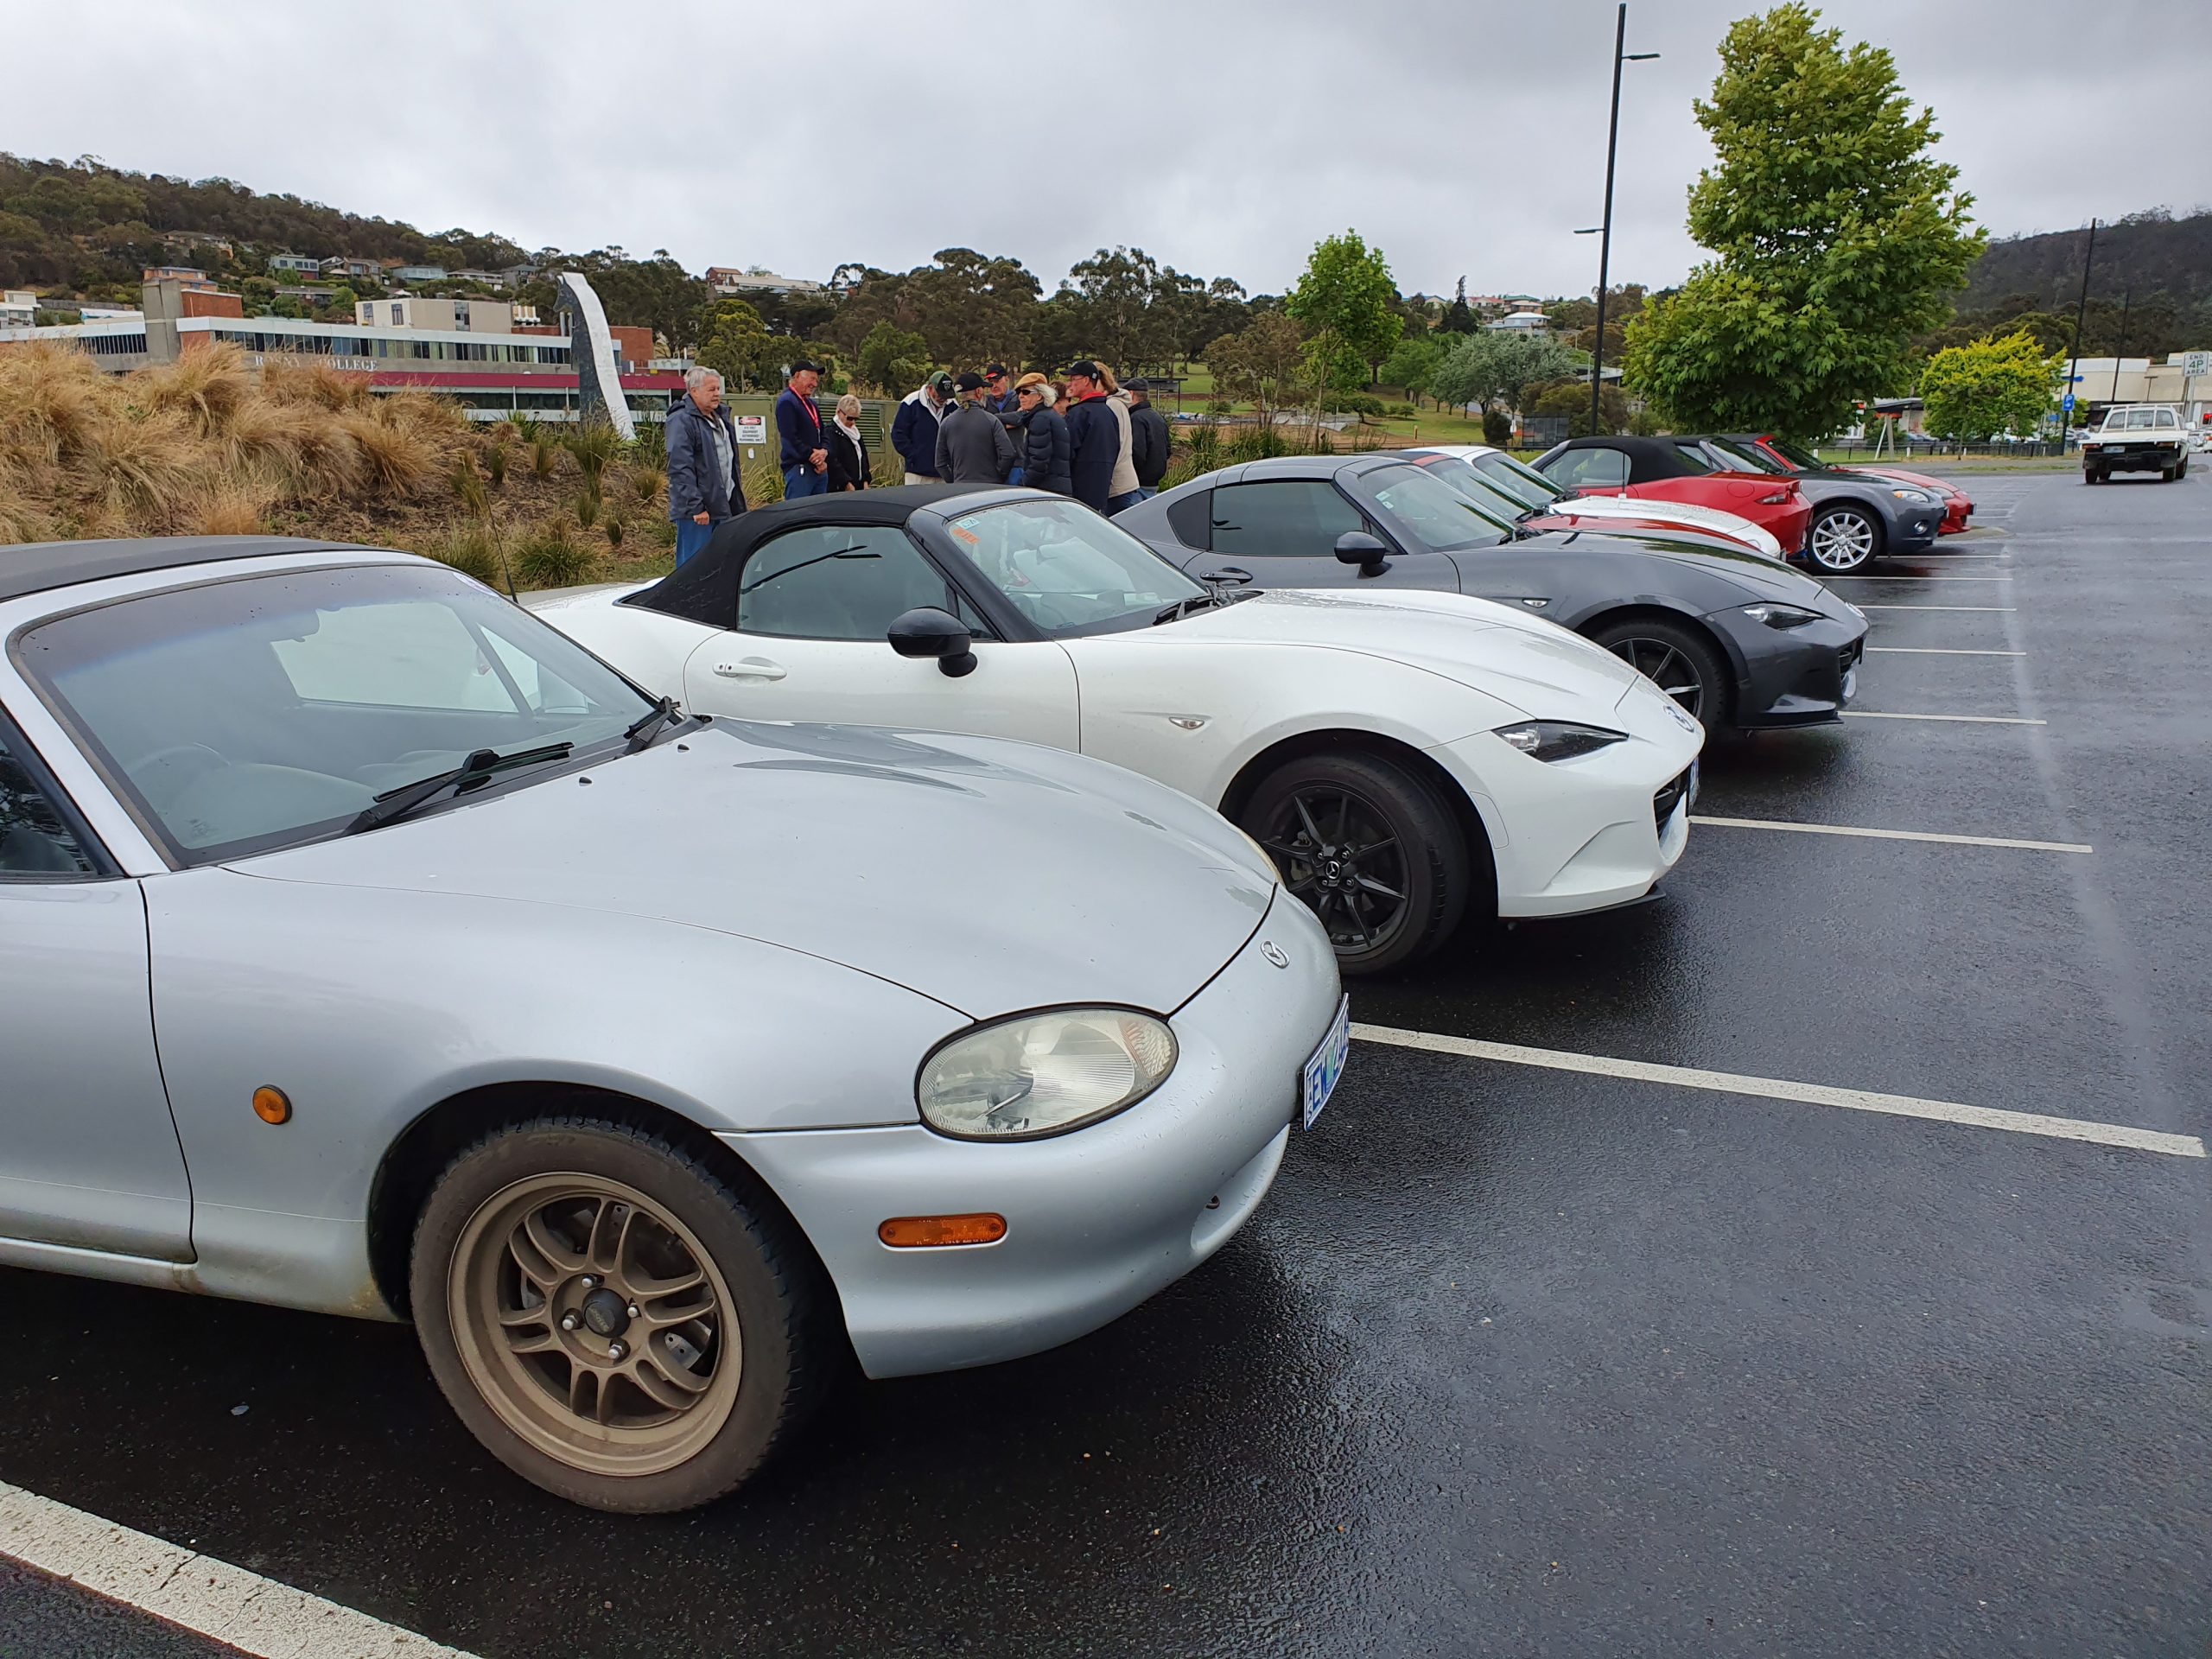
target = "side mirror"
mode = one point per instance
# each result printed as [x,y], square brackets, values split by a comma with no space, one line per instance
[1367,552]
[931,632]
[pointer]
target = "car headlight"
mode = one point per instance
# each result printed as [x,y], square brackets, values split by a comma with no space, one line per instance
[1920,496]
[1780,616]
[1558,740]
[1040,1074]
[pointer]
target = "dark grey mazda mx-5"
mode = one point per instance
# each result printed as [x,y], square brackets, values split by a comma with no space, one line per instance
[1737,639]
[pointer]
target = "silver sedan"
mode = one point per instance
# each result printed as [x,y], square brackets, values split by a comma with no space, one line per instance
[367,947]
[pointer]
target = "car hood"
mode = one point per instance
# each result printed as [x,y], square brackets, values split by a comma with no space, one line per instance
[1759,577]
[1498,650]
[990,876]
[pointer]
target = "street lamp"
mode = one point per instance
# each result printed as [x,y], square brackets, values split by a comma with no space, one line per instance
[1605,232]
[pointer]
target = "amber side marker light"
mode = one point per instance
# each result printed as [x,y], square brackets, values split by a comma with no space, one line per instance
[271,1104]
[924,1232]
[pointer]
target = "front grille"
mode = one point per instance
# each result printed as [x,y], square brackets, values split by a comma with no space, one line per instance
[1670,797]
[1847,658]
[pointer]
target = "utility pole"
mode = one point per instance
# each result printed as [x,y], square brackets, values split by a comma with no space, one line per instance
[2066,409]
[2120,345]
[1605,228]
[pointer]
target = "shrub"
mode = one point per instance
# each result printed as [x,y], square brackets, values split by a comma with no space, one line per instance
[207,387]
[468,487]
[593,444]
[474,549]
[648,483]
[545,455]
[1255,443]
[614,534]
[392,458]
[1497,428]
[587,506]
[495,463]
[550,556]
[1352,403]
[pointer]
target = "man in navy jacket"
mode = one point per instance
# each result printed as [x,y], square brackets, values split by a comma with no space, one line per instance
[1094,436]
[913,429]
[803,454]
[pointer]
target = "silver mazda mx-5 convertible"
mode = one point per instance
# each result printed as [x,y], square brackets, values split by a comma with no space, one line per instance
[367,947]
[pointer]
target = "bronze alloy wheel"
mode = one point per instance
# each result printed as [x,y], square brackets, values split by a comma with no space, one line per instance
[594,1325]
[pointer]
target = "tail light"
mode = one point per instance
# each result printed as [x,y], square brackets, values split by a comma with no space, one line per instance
[1781,500]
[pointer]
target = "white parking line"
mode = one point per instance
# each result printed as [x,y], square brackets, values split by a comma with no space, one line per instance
[1969,720]
[1810,1094]
[1939,651]
[1895,835]
[209,1598]
[1834,578]
[1993,610]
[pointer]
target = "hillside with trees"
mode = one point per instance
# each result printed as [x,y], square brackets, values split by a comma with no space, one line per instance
[2150,291]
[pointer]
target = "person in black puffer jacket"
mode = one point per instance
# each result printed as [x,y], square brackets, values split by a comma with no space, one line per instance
[1044,437]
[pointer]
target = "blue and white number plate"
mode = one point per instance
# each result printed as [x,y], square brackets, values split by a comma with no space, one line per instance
[1328,1062]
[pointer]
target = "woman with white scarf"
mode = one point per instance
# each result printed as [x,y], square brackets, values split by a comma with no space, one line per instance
[848,465]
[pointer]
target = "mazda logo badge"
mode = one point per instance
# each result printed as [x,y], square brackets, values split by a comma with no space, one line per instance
[1274,953]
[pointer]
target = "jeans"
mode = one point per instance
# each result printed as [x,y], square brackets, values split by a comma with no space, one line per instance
[1014,477]
[1146,491]
[1121,503]
[804,480]
[691,538]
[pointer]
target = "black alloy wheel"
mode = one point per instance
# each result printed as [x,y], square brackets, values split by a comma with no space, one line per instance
[1674,659]
[1370,849]
[1844,538]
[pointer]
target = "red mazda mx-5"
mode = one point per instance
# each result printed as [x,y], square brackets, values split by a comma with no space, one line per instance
[1661,469]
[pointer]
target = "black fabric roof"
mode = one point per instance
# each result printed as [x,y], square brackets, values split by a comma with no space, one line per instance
[704,588]
[39,567]
[1648,459]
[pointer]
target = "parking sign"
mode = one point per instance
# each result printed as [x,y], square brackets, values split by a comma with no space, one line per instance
[2068,402]
[2196,363]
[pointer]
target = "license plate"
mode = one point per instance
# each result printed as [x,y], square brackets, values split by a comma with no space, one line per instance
[1327,1063]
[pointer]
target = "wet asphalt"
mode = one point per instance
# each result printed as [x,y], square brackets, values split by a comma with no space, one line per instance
[1513,1361]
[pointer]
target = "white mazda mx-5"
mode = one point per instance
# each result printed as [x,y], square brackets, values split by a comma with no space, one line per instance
[1407,758]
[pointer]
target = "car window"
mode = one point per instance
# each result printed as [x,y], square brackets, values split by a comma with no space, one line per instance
[836,582]
[1590,469]
[1477,486]
[35,841]
[1281,518]
[1067,571]
[1730,456]
[1695,457]
[1192,520]
[1518,479]
[1434,514]
[241,715]
[2165,418]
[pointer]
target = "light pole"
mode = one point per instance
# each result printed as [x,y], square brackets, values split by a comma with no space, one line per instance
[2074,362]
[1605,230]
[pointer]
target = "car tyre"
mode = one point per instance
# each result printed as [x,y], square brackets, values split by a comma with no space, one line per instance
[613,1319]
[1843,538]
[1368,847]
[1679,660]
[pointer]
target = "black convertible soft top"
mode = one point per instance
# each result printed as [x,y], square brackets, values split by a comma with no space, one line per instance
[41,567]
[704,587]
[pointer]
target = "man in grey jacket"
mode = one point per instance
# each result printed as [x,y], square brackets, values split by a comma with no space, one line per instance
[702,484]
[972,446]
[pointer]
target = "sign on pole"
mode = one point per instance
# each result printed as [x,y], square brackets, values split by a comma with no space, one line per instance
[2067,403]
[752,429]
[2196,363]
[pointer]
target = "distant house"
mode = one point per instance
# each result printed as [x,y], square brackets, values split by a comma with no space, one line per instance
[345,267]
[419,274]
[1522,322]
[488,279]
[728,279]
[298,261]
[18,309]
[189,277]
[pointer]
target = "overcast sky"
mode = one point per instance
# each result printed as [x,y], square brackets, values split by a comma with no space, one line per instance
[1224,136]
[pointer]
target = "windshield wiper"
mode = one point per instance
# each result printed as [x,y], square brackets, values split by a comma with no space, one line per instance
[642,732]
[479,768]
[1183,607]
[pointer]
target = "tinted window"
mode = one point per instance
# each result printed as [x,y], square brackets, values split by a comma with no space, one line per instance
[34,841]
[1436,516]
[834,582]
[1695,458]
[1283,518]
[2166,416]
[1521,480]
[1067,571]
[1589,469]
[1741,457]
[1191,519]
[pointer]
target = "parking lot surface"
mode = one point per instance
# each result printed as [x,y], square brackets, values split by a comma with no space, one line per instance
[1515,1359]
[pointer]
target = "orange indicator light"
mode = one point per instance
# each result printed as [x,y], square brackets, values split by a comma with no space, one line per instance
[272,1104]
[925,1233]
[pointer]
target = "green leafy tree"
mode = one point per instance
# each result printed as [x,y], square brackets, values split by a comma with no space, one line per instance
[1264,363]
[972,307]
[740,349]
[1493,366]
[1412,362]
[893,359]
[1345,302]
[1126,302]
[1571,399]
[1837,238]
[1459,317]
[1993,386]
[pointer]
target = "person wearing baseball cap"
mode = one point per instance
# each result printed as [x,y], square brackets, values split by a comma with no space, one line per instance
[1094,436]
[1149,439]
[972,446]
[915,429]
[998,394]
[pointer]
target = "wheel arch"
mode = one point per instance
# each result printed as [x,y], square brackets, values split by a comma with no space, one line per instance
[1350,740]
[412,1163]
[1589,627]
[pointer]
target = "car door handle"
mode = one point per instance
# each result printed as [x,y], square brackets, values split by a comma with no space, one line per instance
[1231,574]
[753,668]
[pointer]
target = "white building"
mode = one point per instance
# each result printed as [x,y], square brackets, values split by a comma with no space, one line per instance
[18,309]
[728,279]
[1522,322]
[2101,381]
[466,316]
[298,261]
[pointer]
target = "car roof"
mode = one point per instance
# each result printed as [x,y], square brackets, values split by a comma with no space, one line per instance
[40,567]
[704,587]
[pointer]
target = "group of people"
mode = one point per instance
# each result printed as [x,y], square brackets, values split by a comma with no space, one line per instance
[1086,436]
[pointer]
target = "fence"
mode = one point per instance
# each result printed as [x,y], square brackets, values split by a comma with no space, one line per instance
[1920,448]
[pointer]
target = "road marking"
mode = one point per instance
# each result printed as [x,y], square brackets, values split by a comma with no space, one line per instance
[1829,578]
[1810,1094]
[1939,651]
[209,1598]
[1993,610]
[1969,720]
[1895,835]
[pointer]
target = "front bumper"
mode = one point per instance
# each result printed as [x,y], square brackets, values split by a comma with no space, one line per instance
[1569,837]
[1098,1220]
[1794,676]
[1915,531]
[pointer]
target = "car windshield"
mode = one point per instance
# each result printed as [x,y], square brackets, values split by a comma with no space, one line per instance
[1431,511]
[1795,454]
[1068,570]
[238,716]
[1518,479]
[1742,457]
[1477,486]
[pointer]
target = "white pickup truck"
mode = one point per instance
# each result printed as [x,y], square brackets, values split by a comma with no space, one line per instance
[2136,438]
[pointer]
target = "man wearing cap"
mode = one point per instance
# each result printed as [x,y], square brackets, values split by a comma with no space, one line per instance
[998,393]
[1148,440]
[913,429]
[804,455]
[1094,436]
[972,446]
